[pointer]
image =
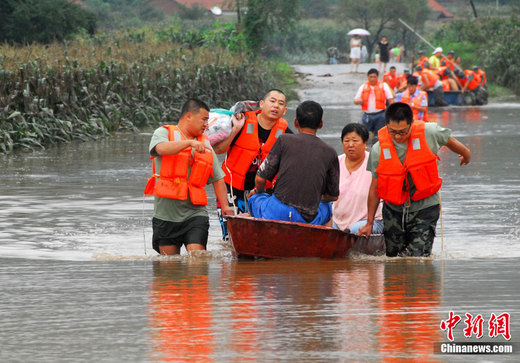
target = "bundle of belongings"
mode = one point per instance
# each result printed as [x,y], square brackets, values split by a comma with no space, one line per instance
[220,121]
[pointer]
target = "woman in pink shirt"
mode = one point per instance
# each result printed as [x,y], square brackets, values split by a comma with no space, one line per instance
[350,210]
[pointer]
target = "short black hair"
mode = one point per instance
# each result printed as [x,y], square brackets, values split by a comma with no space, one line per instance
[399,111]
[358,128]
[392,67]
[373,70]
[412,80]
[309,114]
[193,105]
[272,90]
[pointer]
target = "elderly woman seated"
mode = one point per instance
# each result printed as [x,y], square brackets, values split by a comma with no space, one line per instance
[350,210]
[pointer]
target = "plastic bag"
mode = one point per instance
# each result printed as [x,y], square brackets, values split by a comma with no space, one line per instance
[244,106]
[219,125]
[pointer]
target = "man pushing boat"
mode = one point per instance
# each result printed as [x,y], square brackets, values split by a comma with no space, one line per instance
[405,175]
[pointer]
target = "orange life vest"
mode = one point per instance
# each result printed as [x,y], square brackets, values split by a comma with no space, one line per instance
[441,72]
[451,64]
[422,60]
[420,163]
[173,181]
[247,147]
[483,78]
[379,91]
[402,81]
[390,79]
[462,81]
[475,82]
[429,75]
[445,60]
[415,102]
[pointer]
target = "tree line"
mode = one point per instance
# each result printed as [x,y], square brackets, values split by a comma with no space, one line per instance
[43,21]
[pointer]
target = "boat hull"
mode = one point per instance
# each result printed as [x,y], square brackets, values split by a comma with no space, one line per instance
[254,237]
[454,98]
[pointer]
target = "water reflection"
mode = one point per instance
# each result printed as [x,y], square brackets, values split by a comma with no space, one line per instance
[181,312]
[294,309]
[409,303]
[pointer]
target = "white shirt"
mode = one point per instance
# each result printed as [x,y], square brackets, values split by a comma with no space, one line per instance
[371,107]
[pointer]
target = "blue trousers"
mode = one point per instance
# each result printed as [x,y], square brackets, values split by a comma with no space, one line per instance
[374,121]
[263,205]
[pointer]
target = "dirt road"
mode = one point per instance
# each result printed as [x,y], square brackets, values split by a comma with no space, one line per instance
[331,84]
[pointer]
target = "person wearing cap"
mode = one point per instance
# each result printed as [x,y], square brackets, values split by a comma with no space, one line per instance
[481,93]
[431,82]
[451,60]
[482,74]
[448,79]
[435,59]
[422,58]
[373,96]
[471,88]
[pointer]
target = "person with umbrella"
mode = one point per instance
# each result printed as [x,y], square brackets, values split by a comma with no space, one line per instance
[355,52]
[355,47]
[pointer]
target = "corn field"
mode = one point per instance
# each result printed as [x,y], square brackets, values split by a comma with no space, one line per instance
[91,87]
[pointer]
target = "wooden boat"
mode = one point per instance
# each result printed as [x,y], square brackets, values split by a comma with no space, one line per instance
[454,98]
[254,237]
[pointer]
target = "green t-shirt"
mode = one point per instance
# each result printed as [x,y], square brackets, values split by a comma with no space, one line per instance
[174,210]
[436,137]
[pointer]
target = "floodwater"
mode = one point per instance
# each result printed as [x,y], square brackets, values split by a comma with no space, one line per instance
[80,281]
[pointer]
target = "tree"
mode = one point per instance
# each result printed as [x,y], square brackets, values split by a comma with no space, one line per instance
[43,21]
[263,18]
[380,16]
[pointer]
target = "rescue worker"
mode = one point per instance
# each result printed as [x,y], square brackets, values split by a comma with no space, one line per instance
[448,80]
[391,78]
[431,82]
[451,60]
[183,164]
[471,89]
[422,59]
[482,74]
[415,98]
[435,59]
[373,97]
[251,139]
[405,175]
[402,81]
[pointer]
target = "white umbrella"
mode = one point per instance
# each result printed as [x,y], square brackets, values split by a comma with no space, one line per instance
[359,31]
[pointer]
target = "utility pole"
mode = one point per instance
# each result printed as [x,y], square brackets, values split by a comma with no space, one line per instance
[473,7]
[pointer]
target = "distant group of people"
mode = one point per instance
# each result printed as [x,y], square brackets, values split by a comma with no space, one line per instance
[359,53]
[437,73]
[446,72]
[272,173]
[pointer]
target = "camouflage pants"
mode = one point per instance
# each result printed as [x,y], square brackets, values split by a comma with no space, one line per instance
[410,233]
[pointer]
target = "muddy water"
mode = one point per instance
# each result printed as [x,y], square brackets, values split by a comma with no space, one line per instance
[80,281]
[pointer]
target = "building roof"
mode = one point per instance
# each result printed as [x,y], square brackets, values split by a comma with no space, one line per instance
[436,7]
[207,4]
[172,6]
